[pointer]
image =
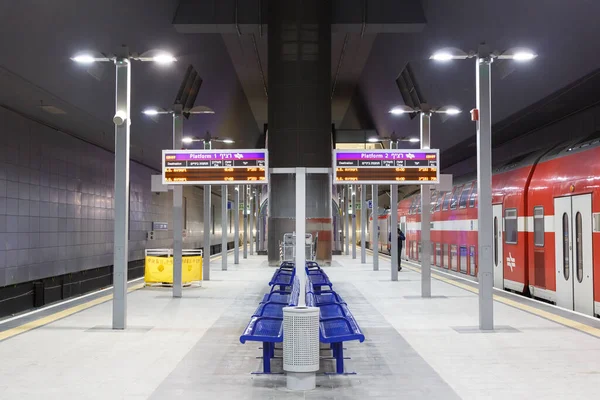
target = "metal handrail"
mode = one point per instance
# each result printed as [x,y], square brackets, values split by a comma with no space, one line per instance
[169,252]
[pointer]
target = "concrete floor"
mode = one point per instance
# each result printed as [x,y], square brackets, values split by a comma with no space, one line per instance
[189,348]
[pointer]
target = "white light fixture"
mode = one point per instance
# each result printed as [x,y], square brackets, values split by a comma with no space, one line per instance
[228,141]
[187,140]
[150,112]
[442,56]
[402,110]
[523,56]
[450,110]
[373,140]
[414,140]
[164,58]
[84,59]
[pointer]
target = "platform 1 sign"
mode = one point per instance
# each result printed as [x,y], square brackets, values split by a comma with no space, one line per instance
[390,166]
[214,167]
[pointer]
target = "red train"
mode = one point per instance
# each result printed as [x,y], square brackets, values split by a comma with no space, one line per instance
[546,211]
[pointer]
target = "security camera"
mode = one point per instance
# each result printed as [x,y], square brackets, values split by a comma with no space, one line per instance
[119,117]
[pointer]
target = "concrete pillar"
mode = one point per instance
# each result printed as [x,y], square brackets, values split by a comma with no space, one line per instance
[299,47]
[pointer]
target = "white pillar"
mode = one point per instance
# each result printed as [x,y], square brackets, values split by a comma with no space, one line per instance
[236,225]
[375,228]
[177,208]
[224,227]
[394,231]
[301,233]
[207,227]
[484,190]
[353,191]
[364,211]
[251,224]
[245,217]
[257,219]
[346,221]
[121,197]
[425,215]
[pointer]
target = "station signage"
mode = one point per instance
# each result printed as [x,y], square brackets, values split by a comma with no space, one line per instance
[214,167]
[389,166]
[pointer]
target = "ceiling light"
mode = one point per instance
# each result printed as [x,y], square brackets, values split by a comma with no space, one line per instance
[187,140]
[52,110]
[228,141]
[84,59]
[414,140]
[373,140]
[452,111]
[164,58]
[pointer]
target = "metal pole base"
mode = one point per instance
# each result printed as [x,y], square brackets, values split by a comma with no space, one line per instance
[301,380]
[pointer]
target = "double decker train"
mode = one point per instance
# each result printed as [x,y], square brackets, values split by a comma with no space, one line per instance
[546,219]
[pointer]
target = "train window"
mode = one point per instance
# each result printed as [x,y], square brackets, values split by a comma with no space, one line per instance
[465,196]
[445,255]
[440,199]
[473,195]
[434,196]
[463,259]
[454,257]
[566,240]
[455,195]
[538,226]
[418,204]
[579,247]
[447,200]
[432,255]
[511,226]
[495,241]
[473,260]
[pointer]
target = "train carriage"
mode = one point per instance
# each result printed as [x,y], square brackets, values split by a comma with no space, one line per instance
[546,211]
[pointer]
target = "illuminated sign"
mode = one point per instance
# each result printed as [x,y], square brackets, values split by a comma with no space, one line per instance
[381,167]
[214,167]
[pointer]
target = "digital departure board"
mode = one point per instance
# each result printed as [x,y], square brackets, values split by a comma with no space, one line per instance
[215,167]
[380,167]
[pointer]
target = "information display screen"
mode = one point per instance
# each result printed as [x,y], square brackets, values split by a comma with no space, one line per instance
[380,167]
[214,167]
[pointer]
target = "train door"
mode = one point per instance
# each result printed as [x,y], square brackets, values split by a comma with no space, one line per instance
[573,244]
[498,247]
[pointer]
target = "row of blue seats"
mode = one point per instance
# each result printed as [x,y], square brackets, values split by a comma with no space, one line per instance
[266,323]
[337,324]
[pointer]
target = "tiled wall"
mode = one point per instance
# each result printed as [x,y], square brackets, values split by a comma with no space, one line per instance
[56,204]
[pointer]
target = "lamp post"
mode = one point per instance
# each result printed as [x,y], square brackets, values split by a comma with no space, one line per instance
[425,111]
[122,60]
[207,143]
[483,115]
[178,223]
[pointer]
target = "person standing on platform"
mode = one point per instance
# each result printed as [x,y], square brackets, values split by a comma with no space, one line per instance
[401,239]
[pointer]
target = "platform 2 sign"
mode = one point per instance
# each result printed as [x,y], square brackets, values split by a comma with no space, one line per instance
[214,167]
[391,167]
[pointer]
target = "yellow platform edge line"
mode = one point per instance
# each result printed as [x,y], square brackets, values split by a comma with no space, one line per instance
[523,307]
[17,330]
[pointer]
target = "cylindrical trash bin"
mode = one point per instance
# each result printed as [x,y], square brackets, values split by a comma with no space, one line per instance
[301,346]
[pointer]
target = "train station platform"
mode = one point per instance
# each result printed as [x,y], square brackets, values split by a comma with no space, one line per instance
[189,348]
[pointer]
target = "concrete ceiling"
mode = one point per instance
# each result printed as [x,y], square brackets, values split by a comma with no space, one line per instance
[40,37]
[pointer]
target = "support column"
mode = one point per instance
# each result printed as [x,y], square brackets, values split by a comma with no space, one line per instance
[484,190]
[207,227]
[236,225]
[251,224]
[224,235]
[353,191]
[177,208]
[121,198]
[301,233]
[346,221]
[425,214]
[257,219]
[364,211]
[394,224]
[375,227]
[245,217]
